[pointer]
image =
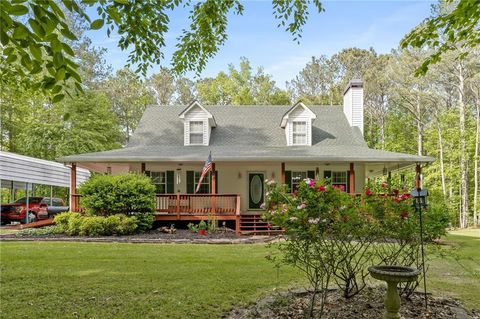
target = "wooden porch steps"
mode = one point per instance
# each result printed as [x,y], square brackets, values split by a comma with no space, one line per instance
[254,225]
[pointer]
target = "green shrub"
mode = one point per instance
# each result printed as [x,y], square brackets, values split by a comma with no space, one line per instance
[130,193]
[144,222]
[61,220]
[111,224]
[74,224]
[92,226]
[128,225]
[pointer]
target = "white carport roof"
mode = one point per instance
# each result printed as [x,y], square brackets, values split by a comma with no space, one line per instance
[17,170]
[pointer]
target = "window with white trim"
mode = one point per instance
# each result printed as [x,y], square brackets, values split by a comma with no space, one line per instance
[299,133]
[196,132]
[205,185]
[159,179]
[297,178]
[340,179]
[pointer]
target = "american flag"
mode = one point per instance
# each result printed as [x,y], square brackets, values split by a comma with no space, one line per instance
[207,167]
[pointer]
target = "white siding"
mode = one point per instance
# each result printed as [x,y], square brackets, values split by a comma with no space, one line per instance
[353,107]
[196,114]
[299,115]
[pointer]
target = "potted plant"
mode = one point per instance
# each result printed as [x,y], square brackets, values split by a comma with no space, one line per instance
[202,228]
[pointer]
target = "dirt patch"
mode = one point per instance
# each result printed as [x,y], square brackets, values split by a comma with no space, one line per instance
[368,304]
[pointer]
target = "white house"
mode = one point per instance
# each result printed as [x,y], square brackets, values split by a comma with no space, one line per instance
[248,145]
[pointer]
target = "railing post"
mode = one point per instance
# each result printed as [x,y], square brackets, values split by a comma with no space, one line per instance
[282,173]
[178,205]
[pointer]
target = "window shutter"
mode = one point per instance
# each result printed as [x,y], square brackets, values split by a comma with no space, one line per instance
[311,174]
[288,180]
[327,174]
[170,178]
[190,182]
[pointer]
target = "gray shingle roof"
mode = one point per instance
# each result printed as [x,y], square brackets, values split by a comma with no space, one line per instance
[245,133]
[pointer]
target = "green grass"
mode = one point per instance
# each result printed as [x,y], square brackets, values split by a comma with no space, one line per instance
[118,280]
[456,272]
[113,280]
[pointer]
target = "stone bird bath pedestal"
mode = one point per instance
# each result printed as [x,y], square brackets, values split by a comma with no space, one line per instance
[393,275]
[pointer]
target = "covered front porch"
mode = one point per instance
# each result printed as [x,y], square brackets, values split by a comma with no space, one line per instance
[235,191]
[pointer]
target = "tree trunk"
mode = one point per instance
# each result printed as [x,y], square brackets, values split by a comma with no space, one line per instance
[463,150]
[419,129]
[475,169]
[440,155]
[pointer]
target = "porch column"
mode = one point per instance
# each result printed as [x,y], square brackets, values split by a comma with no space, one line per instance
[213,186]
[142,169]
[282,174]
[73,187]
[351,179]
[418,176]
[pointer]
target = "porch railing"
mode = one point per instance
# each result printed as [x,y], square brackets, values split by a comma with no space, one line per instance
[200,204]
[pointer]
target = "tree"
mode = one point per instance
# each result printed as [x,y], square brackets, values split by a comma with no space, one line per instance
[317,82]
[453,21]
[241,87]
[168,88]
[35,34]
[129,97]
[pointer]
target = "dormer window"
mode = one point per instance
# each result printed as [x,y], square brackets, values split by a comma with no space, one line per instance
[198,123]
[196,132]
[299,133]
[297,123]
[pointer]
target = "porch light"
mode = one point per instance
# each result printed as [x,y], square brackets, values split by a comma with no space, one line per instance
[385,170]
[239,175]
[109,170]
[179,176]
[419,199]
[273,175]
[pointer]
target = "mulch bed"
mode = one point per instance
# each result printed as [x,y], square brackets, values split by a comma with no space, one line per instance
[368,304]
[222,236]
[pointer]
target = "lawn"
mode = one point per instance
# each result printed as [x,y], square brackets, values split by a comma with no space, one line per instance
[113,280]
[110,280]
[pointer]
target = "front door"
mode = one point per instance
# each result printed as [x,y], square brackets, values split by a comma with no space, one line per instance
[255,190]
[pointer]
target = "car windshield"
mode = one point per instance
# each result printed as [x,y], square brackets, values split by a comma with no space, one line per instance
[31,200]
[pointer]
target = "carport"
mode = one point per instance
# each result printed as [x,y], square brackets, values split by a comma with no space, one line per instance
[19,172]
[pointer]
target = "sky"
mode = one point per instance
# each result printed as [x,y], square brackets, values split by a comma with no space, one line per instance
[380,24]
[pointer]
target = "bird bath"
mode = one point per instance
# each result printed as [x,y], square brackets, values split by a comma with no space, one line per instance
[393,275]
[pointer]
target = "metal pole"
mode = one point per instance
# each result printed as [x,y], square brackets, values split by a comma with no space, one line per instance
[28,204]
[423,254]
[51,194]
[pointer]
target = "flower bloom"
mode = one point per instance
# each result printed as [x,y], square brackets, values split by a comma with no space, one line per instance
[293,219]
[262,206]
[404,215]
[368,192]
[270,182]
[311,183]
[384,185]
[301,206]
[313,220]
[339,187]
[321,188]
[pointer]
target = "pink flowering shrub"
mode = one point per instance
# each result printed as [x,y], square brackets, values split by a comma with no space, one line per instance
[346,233]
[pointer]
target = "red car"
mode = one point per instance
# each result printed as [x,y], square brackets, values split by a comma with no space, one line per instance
[38,208]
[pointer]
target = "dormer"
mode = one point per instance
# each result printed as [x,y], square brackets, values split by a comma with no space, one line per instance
[197,124]
[297,123]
